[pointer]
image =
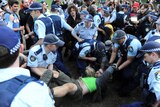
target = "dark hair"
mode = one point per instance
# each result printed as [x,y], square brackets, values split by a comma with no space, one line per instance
[7,59]
[91,10]
[72,7]
[12,2]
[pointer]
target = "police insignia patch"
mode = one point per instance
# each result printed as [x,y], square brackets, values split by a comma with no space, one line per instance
[157,76]
[32,58]
[130,48]
[98,21]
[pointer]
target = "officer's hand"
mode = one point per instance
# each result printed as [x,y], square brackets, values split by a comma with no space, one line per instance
[80,40]
[115,67]
[21,27]
[26,36]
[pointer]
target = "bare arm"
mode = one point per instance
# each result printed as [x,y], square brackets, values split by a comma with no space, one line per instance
[126,63]
[113,55]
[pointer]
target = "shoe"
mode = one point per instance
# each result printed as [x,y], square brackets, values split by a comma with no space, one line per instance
[47,76]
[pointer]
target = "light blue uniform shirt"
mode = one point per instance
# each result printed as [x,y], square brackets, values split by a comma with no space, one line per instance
[154,81]
[36,60]
[84,32]
[133,48]
[40,28]
[86,48]
[151,34]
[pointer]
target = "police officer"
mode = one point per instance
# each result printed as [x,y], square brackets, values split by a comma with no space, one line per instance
[151,52]
[42,57]
[85,30]
[59,23]
[127,45]
[87,52]
[42,24]
[12,76]
[156,31]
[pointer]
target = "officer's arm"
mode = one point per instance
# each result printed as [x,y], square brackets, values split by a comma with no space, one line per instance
[89,58]
[127,62]
[83,54]
[74,34]
[113,55]
[119,61]
[66,25]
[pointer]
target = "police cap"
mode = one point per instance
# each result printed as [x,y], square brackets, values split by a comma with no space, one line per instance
[88,18]
[34,6]
[52,39]
[119,34]
[150,46]
[84,12]
[9,40]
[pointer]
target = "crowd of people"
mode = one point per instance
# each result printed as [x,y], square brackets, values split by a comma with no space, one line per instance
[115,40]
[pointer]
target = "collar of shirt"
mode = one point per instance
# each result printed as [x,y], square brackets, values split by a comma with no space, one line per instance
[43,49]
[8,73]
[54,14]
[126,37]
[41,16]
[121,12]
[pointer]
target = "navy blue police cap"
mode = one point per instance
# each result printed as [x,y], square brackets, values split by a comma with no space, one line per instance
[34,6]
[51,39]
[54,6]
[119,34]
[150,46]
[9,40]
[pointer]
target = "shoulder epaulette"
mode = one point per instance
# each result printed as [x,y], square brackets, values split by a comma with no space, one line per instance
[38,51]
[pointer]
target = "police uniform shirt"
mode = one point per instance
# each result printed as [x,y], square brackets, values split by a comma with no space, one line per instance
[133,48]
[154,81]
[85,33]
[97,19]
[37,60]
[64,24]
[39,27]
[151,34]
[113,16]
[86,48]
[34,94]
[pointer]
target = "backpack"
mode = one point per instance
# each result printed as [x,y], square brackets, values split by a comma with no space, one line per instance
[10,88]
